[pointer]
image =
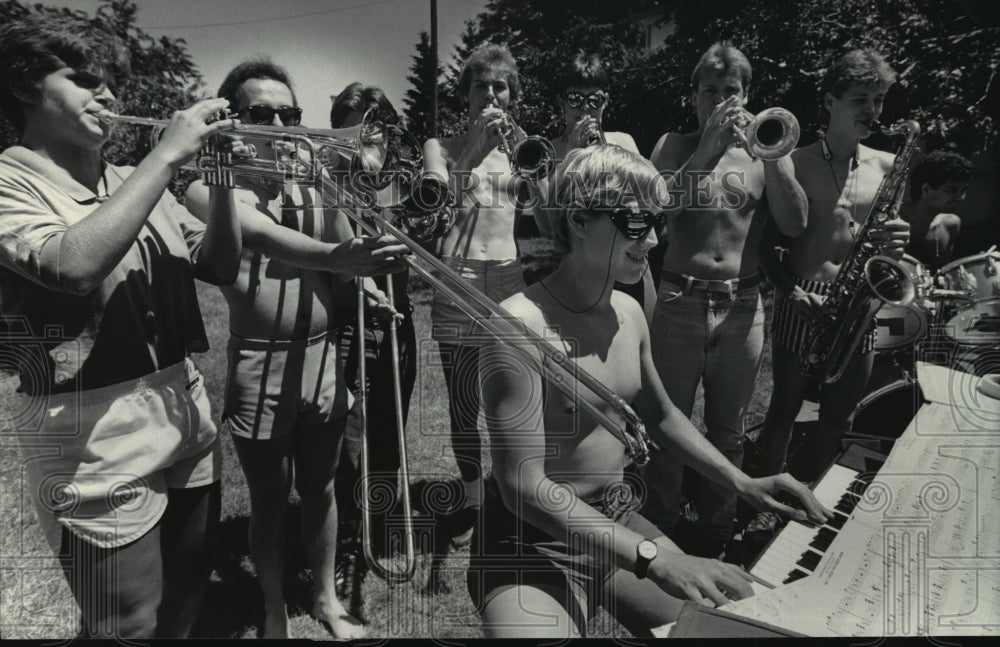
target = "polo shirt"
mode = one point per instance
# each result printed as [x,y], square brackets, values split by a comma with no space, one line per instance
[143,316]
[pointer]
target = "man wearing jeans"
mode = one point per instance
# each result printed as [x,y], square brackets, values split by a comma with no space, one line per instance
[708,323]
[480,248]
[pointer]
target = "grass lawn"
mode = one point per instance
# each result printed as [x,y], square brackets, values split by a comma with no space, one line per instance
[35,601]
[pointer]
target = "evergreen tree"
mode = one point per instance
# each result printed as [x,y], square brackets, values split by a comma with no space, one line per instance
[424,81]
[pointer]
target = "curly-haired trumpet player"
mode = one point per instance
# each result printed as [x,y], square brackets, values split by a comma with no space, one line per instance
[582,86]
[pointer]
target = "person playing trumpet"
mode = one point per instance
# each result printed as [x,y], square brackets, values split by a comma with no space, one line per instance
[286,403]
[480,247]
[708,324]
[582,87]
[97,264]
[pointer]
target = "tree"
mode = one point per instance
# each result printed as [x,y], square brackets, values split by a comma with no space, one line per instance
[947,53]
[163,77]
[424,79]
[451,103]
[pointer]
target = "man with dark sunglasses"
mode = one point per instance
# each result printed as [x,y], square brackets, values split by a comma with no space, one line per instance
[286,403]
[708,324]
[263,114]
[583,94]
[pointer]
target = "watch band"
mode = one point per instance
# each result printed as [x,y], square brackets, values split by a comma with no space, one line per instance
[645,553]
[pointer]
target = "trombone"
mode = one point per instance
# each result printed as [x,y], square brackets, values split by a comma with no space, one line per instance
[426,212]
[403,482]
[554,366]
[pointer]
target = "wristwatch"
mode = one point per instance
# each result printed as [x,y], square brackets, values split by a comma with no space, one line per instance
[645,553]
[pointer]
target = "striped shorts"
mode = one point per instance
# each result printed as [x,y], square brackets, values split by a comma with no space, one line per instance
[788,329]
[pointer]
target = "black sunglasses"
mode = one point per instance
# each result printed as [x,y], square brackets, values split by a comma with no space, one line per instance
[635,224]
[594,100]
[261,115]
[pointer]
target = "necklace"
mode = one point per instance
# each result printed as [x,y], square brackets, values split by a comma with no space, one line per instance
[607,277]
[828,156]
[566,307]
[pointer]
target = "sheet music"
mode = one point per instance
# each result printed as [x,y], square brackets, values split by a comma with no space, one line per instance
[921,553]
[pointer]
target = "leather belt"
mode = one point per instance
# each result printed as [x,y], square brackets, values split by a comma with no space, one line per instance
[725,286]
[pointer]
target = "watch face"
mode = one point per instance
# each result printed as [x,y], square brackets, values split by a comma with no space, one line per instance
[647,549]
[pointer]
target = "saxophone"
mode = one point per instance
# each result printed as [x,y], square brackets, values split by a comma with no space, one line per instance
[866,281]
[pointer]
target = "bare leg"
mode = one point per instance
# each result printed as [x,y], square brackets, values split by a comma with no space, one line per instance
[118,590]
[267,465]
[189,535]
[529,612]
[317,451]
[640,605]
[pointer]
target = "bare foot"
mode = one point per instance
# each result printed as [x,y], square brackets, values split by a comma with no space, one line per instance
[276,623]
[335,618]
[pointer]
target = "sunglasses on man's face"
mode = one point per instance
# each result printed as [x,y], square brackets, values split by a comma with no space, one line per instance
[593,101]
[634,223]
[261,115]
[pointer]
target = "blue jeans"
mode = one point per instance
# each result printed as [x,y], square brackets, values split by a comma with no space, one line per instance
[717,339]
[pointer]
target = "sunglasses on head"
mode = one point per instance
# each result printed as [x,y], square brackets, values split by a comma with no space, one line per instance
[593,101]
[636,223]
[261,115]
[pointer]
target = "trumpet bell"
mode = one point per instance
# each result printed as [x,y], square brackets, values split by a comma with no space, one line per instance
[531,158]
[771,135]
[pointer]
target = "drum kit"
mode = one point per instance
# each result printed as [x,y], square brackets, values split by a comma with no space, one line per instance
[956,309]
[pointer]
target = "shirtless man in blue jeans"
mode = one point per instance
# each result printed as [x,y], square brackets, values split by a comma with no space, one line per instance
[708,323]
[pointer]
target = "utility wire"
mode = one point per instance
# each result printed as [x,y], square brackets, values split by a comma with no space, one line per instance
[255,21]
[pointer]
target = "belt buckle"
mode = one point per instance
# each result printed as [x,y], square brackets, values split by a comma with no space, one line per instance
[732,286]
[726,286]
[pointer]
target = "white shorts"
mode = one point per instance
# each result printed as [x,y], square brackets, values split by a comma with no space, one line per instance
[103,459]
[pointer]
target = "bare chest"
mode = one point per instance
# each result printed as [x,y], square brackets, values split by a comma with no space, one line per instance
[839,197]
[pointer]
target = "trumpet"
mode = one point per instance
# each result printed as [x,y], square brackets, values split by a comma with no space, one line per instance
[770,135]
[593,134]
[530,157]
[285,153]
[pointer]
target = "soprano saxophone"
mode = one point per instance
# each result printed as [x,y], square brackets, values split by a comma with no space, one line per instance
[867,280]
